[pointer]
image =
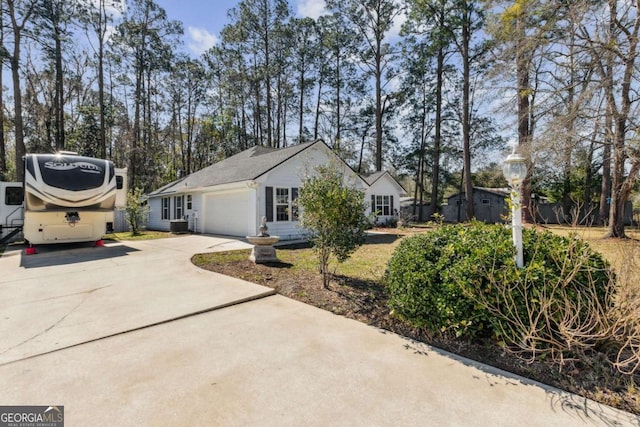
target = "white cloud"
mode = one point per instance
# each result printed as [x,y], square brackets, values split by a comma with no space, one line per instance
[201,40]
[394,31]
[311,8]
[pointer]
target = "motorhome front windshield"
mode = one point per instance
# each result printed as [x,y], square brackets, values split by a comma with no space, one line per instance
[70,172]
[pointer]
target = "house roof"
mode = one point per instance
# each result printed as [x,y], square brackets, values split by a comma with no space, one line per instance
[503,192]
[372,178]
[497,191]
[244,166]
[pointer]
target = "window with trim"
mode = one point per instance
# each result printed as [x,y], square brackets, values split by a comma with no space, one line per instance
[13,196]
[280,204]
[382,205]
[165,208]
[178,209]
[189,202]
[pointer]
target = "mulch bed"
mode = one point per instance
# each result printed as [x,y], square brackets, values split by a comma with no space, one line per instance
[367,302]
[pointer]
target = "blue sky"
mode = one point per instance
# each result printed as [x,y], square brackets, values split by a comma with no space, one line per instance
[203,19]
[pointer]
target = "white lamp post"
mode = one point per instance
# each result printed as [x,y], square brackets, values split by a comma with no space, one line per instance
[515,171]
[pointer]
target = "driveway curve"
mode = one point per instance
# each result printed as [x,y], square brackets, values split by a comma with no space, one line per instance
[67,295]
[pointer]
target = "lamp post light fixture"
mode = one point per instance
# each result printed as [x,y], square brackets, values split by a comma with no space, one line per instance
[515,171]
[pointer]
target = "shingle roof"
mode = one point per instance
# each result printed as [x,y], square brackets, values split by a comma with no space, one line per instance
[504,192]
[245,166]
[372,178]
[497,191]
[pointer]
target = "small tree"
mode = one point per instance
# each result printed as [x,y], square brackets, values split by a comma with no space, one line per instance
[136,210]
[334,213]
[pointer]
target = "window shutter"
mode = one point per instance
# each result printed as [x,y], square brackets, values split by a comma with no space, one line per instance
[294,207]
[269,203]
[373,204]
[391,208]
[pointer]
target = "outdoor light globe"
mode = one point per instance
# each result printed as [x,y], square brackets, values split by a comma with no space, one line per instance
[514,169]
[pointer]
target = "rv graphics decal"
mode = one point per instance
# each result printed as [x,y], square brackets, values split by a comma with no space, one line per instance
[65,166]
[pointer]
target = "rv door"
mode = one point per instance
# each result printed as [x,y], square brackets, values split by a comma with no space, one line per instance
[121,188]
[11,198]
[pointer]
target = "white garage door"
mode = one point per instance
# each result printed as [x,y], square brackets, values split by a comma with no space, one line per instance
[227,214]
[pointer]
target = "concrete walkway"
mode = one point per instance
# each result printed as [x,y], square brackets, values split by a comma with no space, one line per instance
[267,361]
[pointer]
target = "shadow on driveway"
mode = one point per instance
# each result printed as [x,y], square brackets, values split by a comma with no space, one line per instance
[71,253]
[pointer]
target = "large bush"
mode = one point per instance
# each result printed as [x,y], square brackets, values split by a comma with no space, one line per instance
[462,279]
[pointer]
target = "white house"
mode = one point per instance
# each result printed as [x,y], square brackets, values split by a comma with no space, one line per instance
[230,197]
[384,194]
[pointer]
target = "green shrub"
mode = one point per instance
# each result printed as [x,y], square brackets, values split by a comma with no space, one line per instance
[462,279]
[426,270]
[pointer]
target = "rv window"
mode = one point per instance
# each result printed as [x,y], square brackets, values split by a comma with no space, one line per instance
[13,196]
[119,182]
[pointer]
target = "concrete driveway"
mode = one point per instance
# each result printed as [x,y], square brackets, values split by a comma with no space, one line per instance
[133,334]
[71,294]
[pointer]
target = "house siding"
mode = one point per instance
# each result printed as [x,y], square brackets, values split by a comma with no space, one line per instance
[155,221]
[290,174]
[384,187]
[155,214]
[488,207]
[287,174]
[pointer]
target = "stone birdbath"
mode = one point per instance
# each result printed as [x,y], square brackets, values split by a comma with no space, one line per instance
[263,250]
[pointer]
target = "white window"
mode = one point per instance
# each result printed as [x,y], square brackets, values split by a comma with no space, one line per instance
[382,205]
[165,208]
[189,202]
[178,210]
[282,204]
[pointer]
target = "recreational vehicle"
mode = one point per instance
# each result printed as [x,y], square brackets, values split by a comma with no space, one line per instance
[11,211]
[65,198]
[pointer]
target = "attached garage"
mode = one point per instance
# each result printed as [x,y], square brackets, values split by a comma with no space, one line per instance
[227,214]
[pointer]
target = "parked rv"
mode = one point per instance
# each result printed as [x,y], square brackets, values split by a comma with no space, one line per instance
[11,211]
[65,198]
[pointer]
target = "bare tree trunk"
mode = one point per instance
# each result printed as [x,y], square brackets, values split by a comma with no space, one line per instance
[17,29]
[316,123]
[59,96]
[3,152]
[301,106]
[102,30]
[621,187]
[605,193]
[417,198]
[524,125]
[437,139]
[338,83]
[466,115]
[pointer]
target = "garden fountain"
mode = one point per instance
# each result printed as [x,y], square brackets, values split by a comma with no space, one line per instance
[263,250]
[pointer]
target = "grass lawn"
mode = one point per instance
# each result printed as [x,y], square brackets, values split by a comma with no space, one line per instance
[143,235]
[621,253]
